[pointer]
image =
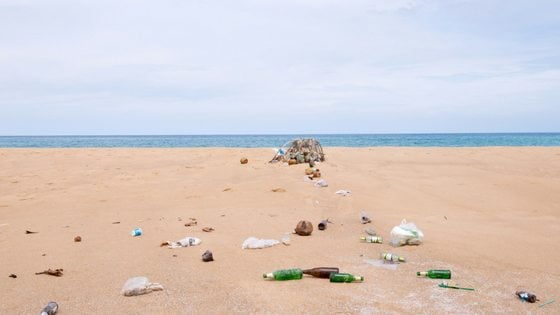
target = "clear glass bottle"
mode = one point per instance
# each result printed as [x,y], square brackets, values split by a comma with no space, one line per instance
[392,257]
[284,274]
[372,239]
[345,277]
[435,274]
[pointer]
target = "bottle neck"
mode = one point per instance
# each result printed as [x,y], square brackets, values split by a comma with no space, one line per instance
[269,275]
[422,273]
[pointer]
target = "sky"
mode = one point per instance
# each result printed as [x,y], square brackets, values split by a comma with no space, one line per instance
[102,67]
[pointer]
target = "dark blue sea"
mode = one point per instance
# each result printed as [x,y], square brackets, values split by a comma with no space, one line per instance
[255,141]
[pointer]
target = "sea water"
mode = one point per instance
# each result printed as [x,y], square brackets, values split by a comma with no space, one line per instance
[275,141]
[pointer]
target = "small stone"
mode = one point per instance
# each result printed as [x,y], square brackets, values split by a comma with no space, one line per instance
[207,256]
[13,275]
[304,228]
[371,231]
[244,160]
[77,239]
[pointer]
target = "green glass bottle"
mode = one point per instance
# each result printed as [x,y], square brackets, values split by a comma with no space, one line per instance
[284,274]
[345,277]
[435,274]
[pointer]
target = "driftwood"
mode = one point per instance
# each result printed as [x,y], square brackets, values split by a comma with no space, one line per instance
[300,151]
[50,272]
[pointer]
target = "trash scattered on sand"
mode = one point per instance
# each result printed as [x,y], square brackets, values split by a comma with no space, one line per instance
[255,243]
[284,274]
[138,286]
[50,272]
[207,256]
[372,239]
[345,277]
[447,286]
[371,231]
[364,217]
[136,232]
[207,229]
[547,302]
[278,190]
[321,272]
[13,275]
[50,309]
[392,258]
[526,296]
[343,193]
[304,228]
[321,183]
[323,224]
[185,242]
[286,239]
[406,234]
[30,232]
[192,222]
[435,274]
[77,239]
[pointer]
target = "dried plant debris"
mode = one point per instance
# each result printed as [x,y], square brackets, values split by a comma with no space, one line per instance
[208,229]
[30,232]
[50,272]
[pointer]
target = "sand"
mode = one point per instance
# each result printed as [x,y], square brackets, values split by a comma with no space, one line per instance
[491,215]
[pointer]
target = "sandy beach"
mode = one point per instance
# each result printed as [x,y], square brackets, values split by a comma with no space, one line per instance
[491,215]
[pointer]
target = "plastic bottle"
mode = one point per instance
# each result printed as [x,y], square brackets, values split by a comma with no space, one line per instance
[136,232]
[321,272]
[526,296]
[372,239]
[345,277]
[435,274]
[392,257]
[50,309]
[284,274]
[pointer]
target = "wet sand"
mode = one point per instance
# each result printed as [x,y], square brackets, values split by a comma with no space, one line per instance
[491,215]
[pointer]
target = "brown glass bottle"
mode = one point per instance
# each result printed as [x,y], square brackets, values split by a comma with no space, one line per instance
[321,272]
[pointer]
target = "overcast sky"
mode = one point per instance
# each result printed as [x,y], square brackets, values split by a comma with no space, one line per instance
[278,66]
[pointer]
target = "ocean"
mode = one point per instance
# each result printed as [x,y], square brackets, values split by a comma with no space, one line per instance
[275,141]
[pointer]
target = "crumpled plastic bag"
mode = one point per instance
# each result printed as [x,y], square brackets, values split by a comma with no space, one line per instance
[255,243]
[139,285]
[406,234]
[185,242]
[321,183]
[343,192]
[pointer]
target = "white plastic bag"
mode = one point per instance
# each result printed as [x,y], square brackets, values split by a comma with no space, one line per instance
[255,243]
[321,183]
[139,285]
[343,192]
[406,234]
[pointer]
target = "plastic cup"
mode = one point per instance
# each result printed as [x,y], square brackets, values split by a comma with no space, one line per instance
[136,232]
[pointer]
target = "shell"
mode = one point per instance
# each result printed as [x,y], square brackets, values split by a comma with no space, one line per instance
[304,228]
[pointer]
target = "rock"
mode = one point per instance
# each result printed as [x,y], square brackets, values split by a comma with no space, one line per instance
[77,239]
[207,256]
[244,160]
[304,228]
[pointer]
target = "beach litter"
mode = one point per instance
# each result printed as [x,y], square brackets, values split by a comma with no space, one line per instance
[321,183]
[304,228]
[139,285]
[371,231]
[447,286]
[547,302]
[136,232]
[364,217]
[207,256]
[50,309]
[255,243]
[343,193]
[372,239]
[286,239]
[185,242]
[30,232]
[391,258]
[323,224]
[526,296]
[207,229]
[50,272]
[278,190]
[192,222]
[406,234]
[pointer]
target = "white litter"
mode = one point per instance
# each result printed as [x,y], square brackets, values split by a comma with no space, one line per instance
[255,243]
[139,285]
[321,183]
[343,192]
[406,234]
[185,242]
